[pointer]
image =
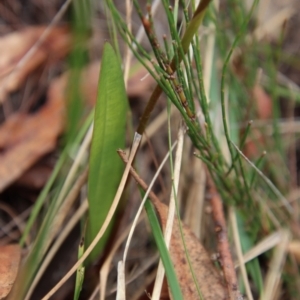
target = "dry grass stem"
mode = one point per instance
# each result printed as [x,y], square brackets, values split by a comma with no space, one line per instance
[171,213]
[106,265]
[79,159]
[275,270]
[121,289]
[263,246]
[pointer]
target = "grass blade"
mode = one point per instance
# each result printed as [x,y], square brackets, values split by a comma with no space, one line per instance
[109,134]
[163,251]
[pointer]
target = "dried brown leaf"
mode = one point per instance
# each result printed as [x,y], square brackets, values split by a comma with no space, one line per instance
[14,46]
[209,279]
[25,138]
[9,264]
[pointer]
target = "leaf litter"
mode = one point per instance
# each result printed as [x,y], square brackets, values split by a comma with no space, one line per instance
[14,46]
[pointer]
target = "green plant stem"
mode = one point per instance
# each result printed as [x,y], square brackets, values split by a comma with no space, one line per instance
[258,165]
[186,40]
[148,110]
[224,70]
[242,143]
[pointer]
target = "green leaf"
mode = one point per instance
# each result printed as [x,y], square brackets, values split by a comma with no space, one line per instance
[105,167]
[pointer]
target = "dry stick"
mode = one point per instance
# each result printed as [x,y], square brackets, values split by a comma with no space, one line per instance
[154,199]
[222,240]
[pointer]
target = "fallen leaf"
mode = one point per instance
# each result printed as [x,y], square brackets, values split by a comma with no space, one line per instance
[14,46]
[9,264]
[25,138]
[209,279]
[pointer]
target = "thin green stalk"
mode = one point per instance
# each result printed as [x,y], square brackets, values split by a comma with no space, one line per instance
[246,185]
[242,143]
[79,273]
[204,104]
[258,164]
[190,31]
[43,195]
[224,70]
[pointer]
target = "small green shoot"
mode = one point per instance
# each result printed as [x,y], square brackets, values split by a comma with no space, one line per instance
[79,273]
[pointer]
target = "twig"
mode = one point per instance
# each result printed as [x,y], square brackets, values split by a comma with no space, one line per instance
[155,201]
[222,239]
